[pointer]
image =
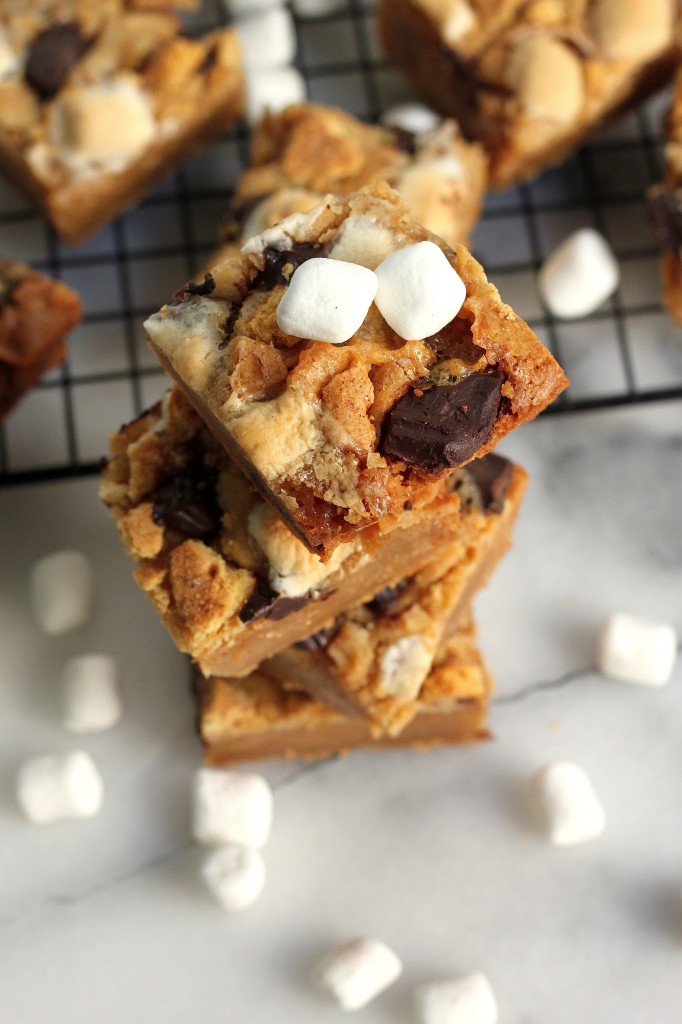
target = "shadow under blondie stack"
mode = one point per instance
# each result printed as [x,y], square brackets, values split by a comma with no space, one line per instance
[315,502]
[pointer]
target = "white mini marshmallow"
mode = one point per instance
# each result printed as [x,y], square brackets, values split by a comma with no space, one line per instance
[235,875]
[357,972]
[61,591]
[419,292]
[272,89]
[411,117]
[465,1000]
[108,123]
[237,7]
[579,275]
[90,693]
[59,787]
[231,807]
[9,61]
[566,804]
[327,300]
[267,39]
[636,650]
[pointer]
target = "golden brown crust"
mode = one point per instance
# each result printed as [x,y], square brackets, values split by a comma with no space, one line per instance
[531,80]
[258,718]
[36,313]
[666,205]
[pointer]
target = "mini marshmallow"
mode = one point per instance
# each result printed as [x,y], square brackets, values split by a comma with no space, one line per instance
[231,807]
[235,875]
[404,666]
[419,292]
[411,117]
[9,61]
[61,591]
[90,693]
[579,275]
[109,123]
[636,650]
[267,39]
[465,1000]
[566,803]
[327,300]
[357,972]
[59,787]
[272,89]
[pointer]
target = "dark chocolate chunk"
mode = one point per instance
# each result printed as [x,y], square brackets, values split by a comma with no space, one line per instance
[445,426]
[405,140]
[665,213]
[319,641]
[187,504]
[53,53]
[384,602]
[260,601]
[204,287]
[280,264]
[284,606]
[492,476]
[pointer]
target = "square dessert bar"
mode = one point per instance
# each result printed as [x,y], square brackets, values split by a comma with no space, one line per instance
[100,98]
[36,313]
[665,205]
[231,583]
[337,436]
[373,660]
[308,150]
[531,78]
[259,717]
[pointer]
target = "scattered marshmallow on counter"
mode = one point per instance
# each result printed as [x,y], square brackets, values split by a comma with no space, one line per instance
[59,787]
[61,591]
[235,875]
[579,275]
[357,972]
[231,807]
[272,89]
[327,300]
[411,117]
[465,1000]
[636,650]
[90,693]
[267,39]
[419,292]
[567,804]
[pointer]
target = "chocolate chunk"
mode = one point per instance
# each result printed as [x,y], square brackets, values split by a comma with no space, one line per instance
[665,213]
[384,602]
[492,476]
[259,602]
[204,287]
[280,264]
[318,641]
[53,53]
[405,140]
[187,504]
[445,426]
[284,606]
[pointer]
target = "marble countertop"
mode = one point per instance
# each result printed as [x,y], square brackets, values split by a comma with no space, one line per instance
[435,853]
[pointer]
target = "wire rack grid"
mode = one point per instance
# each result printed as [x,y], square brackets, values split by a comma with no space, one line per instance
[627,352]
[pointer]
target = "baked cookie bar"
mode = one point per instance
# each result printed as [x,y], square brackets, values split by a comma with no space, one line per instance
[36,314]
[307,151]
[373,660]
[100,98]
[259,717]
[339,435]
[665,205]
[231,583]
[531,78]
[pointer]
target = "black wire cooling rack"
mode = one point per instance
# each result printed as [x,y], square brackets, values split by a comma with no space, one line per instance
[627,352]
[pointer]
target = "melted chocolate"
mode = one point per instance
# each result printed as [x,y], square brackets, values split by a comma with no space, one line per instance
[445,426]
[384,602]
[53,53]
[665,213]
[492,476]
[187,504]
[280,264]
[318,641]
[205,287]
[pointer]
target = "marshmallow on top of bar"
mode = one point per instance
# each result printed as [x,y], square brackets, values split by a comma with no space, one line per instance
[339,435]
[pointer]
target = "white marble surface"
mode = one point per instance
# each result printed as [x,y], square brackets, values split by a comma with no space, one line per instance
[434,853]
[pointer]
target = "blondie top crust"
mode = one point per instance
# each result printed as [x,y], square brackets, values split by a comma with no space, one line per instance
[36,313]
[665,205]
[531,78]
[337,436]
[99,98]
[307,151]
[374,659]
[258,717]
[230,582]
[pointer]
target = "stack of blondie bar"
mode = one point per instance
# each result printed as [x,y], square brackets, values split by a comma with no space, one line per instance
[315,501]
